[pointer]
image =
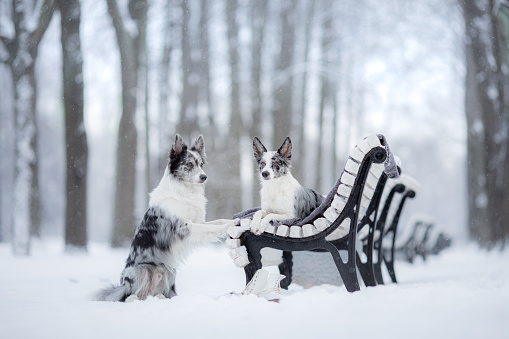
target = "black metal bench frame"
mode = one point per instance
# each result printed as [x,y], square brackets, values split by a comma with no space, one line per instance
[366,269]
[388,256]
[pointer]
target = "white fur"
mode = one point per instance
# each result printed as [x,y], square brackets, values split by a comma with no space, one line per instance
[267,158]
[187,201]
[277,198]
[183,199]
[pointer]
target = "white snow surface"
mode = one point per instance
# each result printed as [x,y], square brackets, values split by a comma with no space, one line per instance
[462,293]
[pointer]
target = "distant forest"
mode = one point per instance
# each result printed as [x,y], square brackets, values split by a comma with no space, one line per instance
[326,73]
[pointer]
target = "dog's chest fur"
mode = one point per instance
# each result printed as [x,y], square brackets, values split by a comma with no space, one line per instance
[186,201]
[278,195]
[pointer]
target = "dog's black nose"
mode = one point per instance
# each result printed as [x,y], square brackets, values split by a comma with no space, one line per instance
[265,174]
[203,177]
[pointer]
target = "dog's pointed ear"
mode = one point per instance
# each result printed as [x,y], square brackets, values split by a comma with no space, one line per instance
[178,147]
[258,149]
[199,146]
[286,149]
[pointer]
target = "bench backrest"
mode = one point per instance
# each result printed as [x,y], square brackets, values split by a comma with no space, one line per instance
[321,219]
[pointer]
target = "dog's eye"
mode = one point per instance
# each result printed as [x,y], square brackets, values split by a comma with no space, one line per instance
[276,167]
[190,165]
[263,164]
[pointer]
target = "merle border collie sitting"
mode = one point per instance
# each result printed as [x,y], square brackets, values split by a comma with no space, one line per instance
[282,196]
[173,225]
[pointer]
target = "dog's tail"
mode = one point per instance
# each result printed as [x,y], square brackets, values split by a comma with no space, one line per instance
[112,293]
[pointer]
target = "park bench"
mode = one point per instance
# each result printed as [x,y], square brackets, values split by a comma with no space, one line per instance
[421,235]
[440,241]
[423,240]
[401,189]
[351,206]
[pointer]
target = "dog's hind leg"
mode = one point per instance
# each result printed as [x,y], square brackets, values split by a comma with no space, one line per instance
[131,298]
[171,292]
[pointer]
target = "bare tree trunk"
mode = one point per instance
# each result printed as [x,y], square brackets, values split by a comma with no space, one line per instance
[259,12]
[232,196]
[283,93]
[300,113]
[164,90]
[75,134]
[146,82]
[131,49]
[204,92]
[326,101]
[22,55]
[188,123]
[487,113]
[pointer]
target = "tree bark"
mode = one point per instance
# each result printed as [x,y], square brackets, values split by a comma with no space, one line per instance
[22,50]
[188,123]
[131,48]
[282,110]
[299,161]
[232,197]
[487,111]
[75,133]
[259,13]
[164,90]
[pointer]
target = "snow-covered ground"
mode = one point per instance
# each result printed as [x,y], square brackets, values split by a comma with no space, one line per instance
[462,293]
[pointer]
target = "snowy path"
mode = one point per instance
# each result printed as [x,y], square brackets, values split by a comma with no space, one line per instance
[463,293]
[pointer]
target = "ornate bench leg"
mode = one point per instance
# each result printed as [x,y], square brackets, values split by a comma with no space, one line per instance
[254,256]
[366,269]
[348,270]
[389,263]
[285,268]
[377,267]
[250,271]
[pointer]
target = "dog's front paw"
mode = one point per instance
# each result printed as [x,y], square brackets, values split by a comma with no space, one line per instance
[264,223]
[256,223]
[231,223]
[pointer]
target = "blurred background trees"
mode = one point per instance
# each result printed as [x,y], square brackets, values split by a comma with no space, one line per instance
[76,150]
[20,49]
[487,113]
[431,76]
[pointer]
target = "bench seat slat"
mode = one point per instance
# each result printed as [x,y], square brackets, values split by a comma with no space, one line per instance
[282,230]
[344,190]
[341,231]
[377,168]
[365,202]
[368,192]
[372,180]
[373,140]
[364,146]
[295,232]
[338,202]
[321,224]
[270,229]
[357,155]
[347,179]
[308,230]
[352,166]
[331,214]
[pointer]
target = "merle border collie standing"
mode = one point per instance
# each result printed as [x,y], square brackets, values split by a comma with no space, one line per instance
[172,226]
[282,196]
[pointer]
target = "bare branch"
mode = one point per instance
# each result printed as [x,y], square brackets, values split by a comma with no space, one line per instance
[48,8]
[116,17]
